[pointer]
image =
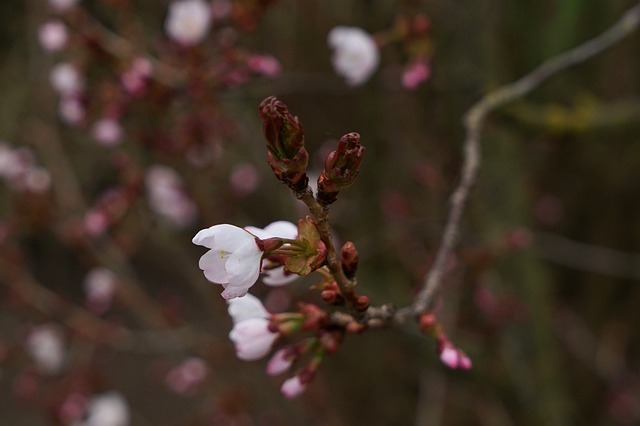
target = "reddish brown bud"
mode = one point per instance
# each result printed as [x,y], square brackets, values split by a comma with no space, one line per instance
[270,244]
[285,143]
[428,323]
[355,327]
[349,258]
[361,303]
[341,168]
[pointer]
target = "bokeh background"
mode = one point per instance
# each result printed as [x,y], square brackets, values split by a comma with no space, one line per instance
[543,294]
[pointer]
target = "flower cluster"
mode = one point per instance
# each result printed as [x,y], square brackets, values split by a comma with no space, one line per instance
[282,251]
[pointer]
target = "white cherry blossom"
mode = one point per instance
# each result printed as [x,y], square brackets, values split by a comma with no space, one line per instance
[107,409]
[280,229]
[53,36]
[250,333]
[292,387]
[188,21]
[66,79]
[355,54]
[234,258]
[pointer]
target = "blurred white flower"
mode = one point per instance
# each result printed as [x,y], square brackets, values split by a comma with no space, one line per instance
[276,276]
[188,21]
[107,409]
[45,346]
[99,287]
[53,36]
[250,333]
[234,259]
[355,54]
[62,5]
[167,198]
[107,132]
[66,79]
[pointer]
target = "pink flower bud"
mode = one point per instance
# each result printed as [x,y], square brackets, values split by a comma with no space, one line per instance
[292,387]
[280,362]
[454,358]
[415,74]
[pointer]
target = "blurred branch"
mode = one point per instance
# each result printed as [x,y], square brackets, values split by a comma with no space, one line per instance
[589,257]
[92,327]
[474,120]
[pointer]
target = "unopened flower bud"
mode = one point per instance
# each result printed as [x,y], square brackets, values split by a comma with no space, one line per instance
[341,168]
[349,258]
[331,297]
[362,303]
[285,143]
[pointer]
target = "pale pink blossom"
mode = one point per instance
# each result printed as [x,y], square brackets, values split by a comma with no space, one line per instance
[264,64]
[252,338]
[37,179]
[71,110]
[293,387]
[99,287]
[415,74]
[107,132]
[62,5]
[355,54]
[244,179]
[53,36]
[134,80]
[46,347]
[107,409]
[66,79]
[276,276]
[454,358]
[234,258]
[250,333]
[186,377]
[167,196]
[280,362]
[188,21]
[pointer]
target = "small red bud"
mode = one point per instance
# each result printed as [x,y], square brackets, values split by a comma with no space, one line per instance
[349,257]
[362,303]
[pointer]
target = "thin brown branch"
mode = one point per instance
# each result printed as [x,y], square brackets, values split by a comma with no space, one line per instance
[320,215]
[474,121]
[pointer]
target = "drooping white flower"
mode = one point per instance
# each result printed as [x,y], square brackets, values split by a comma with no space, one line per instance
[281,229]
[66,79]
[234,258]
[188,21]
[44,344]
[355,54]
[107,409]
[250,333]
[292,387]
[53,36]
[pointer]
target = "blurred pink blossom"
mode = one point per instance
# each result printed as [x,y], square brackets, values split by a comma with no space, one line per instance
[293,387]
[167,198]
[244,179]
[415,74]
[264,64]
[71,110]
[53,36]
[186,377]
[107,132]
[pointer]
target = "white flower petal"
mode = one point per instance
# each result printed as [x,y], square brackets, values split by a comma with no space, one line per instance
[252,338]
[228,236]
[246,307]
[213,265]
[277,276]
